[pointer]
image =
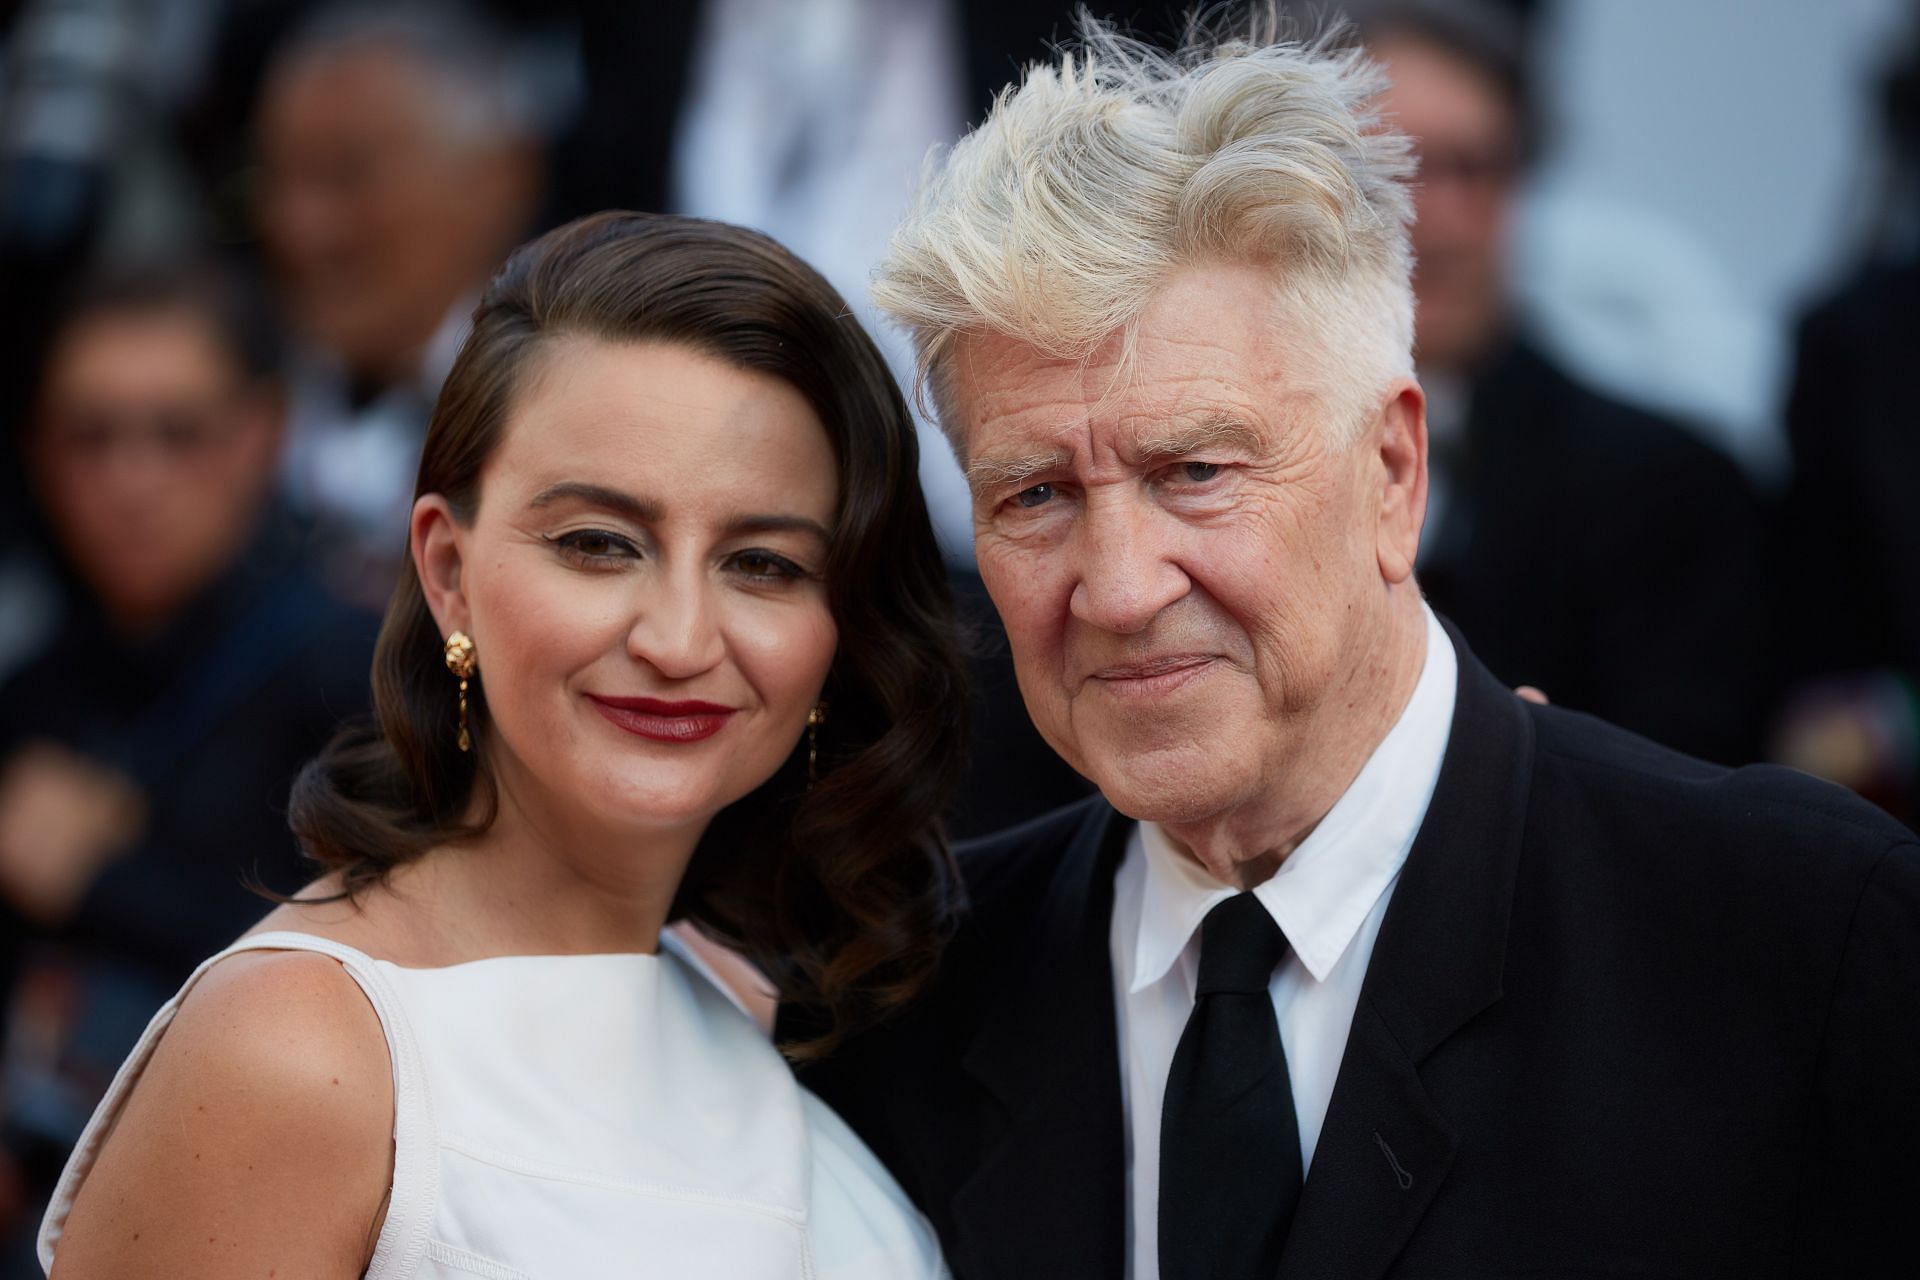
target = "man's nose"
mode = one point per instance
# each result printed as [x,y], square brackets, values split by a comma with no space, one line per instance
[1128,571]
[135,471]
[678,631]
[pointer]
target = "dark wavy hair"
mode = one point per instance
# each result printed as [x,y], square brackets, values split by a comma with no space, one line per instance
[842,892]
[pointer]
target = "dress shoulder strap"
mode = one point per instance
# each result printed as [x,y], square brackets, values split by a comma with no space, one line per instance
[403,1236]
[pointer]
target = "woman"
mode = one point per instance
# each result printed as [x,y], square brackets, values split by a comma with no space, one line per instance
[674,643]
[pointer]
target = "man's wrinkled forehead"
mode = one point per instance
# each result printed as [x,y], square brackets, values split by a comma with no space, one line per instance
[1212,333]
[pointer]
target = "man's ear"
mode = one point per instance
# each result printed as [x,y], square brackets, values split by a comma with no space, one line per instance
[439,548]
[1401,436]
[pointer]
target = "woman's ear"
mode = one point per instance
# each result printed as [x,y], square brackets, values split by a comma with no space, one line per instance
[439,548]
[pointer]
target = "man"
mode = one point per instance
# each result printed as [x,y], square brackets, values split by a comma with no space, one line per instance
[399,164]
[147,751]
[1849,587]
[1358,966]
[1584,545]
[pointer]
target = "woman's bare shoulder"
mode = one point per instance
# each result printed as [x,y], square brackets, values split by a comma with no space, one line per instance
[280,1014]
[258,1137]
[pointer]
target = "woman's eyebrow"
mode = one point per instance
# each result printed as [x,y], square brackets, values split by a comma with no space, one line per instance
[641,511]
[624,504]
[777,524]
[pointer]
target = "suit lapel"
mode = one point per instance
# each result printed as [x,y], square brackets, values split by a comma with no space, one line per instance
[1048,1196]
[1385,1149]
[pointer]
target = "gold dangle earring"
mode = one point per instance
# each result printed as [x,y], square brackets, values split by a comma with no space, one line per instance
[815,718]
[459,657]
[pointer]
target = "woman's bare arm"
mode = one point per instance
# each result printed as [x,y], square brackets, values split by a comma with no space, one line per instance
[259,1141]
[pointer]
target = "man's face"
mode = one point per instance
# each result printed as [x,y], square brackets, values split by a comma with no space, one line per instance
[378,219]
[1188,561]
[1465,135]
[153,456]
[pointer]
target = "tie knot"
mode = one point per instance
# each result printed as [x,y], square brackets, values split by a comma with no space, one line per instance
[1240,946]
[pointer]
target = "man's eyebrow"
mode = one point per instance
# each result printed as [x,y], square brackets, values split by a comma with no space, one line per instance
[1221,431]
[598,495]
[994,470]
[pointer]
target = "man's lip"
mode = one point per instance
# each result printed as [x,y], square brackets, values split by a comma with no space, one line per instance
[663,707]
[1153,667]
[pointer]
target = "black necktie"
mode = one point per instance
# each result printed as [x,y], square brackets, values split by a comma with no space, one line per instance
[1230,1172]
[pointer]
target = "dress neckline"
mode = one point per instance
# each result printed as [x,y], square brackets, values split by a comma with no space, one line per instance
[298,939]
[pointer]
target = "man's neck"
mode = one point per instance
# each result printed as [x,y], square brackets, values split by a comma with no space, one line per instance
[1245,845]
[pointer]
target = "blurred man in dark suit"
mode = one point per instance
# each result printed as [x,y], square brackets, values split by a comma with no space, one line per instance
[399,162]
[1850,588]
[1585,546]
[147,750]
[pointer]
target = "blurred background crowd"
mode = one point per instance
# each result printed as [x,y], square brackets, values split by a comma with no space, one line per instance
[1668,281]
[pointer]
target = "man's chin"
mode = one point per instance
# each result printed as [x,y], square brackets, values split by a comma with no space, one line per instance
[1176,787]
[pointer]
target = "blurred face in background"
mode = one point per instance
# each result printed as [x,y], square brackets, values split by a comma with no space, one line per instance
[153,453]
[383,204]
[1467,140]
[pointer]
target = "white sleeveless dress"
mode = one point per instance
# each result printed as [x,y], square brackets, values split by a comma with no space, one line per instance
[580,1117]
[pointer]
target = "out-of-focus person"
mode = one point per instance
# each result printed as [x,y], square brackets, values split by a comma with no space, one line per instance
[147,751]
[1850,594]
[1586,546]
[89,96]
[399,161]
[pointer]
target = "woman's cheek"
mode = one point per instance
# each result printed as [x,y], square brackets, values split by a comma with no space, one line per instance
[785,652]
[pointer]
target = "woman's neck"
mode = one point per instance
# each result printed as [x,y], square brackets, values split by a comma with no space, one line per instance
[551,878]
[541,879]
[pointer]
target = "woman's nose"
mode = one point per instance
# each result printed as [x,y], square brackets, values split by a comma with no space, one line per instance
[678,629]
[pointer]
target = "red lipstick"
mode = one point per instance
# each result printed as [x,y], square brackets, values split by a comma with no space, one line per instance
[662,721]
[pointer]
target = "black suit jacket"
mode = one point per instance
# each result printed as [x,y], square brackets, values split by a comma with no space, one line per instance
[1606,555]
[1854,526]
[1849,586]
[1628,1014]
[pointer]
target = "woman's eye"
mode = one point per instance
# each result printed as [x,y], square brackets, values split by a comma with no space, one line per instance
[1037,496]
[765,564]
[1199,472]
[591,545]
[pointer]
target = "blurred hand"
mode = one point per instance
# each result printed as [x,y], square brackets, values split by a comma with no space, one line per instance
[1856,729]
[63,817]
[1528,693]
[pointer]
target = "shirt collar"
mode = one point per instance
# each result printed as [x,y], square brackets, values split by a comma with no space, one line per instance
[1324,889]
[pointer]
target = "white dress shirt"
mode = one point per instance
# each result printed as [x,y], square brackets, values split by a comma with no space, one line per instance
[351,468]
[1328,897]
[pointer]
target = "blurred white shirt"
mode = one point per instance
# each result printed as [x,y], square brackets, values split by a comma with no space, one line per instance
[351,469]
[809,120]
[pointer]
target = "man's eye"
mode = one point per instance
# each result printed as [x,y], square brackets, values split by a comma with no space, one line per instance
[1038,495]
[1199,472]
